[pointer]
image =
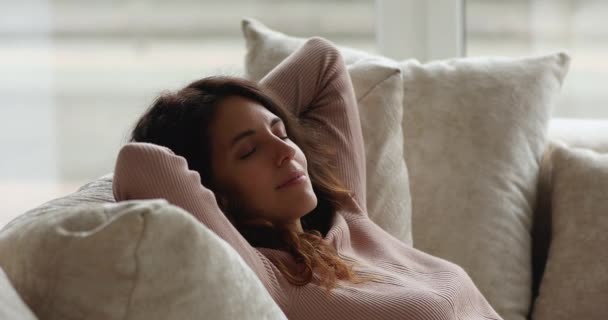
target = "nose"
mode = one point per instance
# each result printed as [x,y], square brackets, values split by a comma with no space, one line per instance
[285,152]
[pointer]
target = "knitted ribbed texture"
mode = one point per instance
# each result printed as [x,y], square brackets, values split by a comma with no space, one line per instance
[314,84]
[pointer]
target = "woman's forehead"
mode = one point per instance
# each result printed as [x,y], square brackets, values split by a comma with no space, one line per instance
[238,114]
[242,112]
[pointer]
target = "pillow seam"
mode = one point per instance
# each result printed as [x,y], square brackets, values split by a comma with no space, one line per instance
[137,267]
[375,86]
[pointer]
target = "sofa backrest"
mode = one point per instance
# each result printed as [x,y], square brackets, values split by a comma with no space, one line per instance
[580,133]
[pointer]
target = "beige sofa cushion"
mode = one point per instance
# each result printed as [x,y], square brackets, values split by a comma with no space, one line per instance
[474,130]
[11,305]
[377,84]
[140,259]
[579,133]
[575,282]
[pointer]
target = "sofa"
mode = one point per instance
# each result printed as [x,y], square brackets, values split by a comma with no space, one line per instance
[464,161]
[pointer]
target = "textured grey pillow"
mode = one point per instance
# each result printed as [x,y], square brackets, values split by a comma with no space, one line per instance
[140,259]
[11,305]
[575,281]
[377,84]
[474,130]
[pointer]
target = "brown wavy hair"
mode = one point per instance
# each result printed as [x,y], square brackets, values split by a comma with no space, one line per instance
[181,121]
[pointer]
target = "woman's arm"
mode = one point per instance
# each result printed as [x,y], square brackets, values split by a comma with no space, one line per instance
[149,171]
[314,84]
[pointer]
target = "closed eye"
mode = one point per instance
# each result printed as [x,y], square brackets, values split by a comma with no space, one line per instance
[254,148]
[248,154]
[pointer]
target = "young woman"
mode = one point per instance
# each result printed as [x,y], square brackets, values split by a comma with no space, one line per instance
[277,169]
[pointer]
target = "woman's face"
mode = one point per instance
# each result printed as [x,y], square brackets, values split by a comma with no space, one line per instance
[252,157]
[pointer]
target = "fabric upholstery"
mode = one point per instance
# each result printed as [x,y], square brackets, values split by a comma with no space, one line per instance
[474,132]
[579,133]
[11,305]
[575,284]
[142,259]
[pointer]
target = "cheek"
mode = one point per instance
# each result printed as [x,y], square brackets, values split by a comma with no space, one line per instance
[254,181]
[301,159]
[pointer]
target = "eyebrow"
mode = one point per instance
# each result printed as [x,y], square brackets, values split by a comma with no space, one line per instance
[250,132]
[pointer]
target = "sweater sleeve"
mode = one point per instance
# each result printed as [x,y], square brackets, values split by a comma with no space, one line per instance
[314,84]
[149,171]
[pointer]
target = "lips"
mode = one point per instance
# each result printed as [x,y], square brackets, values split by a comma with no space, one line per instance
[294,175]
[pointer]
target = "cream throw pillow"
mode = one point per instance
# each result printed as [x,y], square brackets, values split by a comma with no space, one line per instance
[139,259]
[377,84]
[575,282]
[474,130]
[11,305]
[379,96]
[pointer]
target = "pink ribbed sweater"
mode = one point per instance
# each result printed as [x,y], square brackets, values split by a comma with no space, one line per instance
[314,83]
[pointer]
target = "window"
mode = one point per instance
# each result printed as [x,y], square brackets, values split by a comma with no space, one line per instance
[525,27]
